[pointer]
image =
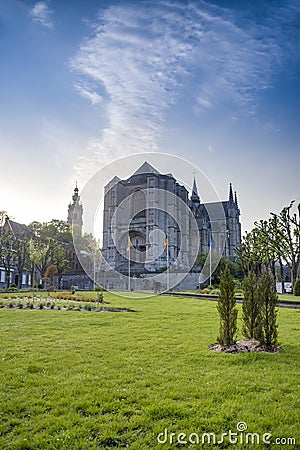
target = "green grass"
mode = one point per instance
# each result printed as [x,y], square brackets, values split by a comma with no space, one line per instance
[77,380]
[292,298]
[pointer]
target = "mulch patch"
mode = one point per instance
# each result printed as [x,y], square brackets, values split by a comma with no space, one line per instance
[245,346]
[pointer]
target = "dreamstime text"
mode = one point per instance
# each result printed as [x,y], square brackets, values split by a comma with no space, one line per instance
[239,436]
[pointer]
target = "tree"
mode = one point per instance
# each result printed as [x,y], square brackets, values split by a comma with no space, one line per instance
[273,242]
[51,272]
[296,290]
[249,253]
[50,246]
[252,305]
[288,238]
[227,309]
[269,300]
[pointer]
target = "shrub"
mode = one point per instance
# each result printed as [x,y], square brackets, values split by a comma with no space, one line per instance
[41,305]
[296,289]
[205,291]
[88,307]
[40,286]
[73,290]
[269,301]
[12,288]
[227,309]
[100,298]
[20,305]
[52,305]
[51,288]
[251,307]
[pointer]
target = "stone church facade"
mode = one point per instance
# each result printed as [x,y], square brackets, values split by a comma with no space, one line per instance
[151,215]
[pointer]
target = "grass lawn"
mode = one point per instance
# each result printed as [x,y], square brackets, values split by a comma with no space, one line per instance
[84,380]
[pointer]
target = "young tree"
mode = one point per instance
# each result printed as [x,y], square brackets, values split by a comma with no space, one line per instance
[269,301]
[252,305]
[51,272]
[227,309]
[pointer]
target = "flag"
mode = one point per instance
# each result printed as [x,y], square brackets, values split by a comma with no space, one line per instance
[128,244]
[166,244]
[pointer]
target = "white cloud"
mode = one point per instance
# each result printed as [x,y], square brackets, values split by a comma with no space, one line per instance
[203,101]
[42,14]
[143,56]
[89,94]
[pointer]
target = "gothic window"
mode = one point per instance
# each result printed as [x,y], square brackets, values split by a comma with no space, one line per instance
[138,202]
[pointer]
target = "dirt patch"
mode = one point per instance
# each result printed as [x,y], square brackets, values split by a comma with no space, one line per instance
[245,346]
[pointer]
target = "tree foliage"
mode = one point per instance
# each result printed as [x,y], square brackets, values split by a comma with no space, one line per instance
[251,308]
[273,241]
[50,246]
[269,300]
[227,309]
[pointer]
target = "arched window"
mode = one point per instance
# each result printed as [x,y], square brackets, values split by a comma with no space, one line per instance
[138,207]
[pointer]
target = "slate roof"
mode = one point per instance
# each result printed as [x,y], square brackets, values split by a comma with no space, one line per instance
[146,168]
[19,229]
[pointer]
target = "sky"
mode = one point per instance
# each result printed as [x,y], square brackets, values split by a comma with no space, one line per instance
[84,83]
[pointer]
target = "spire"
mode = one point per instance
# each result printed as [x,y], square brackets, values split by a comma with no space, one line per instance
[195,196]
[230,193]
[235,199]
[75,196]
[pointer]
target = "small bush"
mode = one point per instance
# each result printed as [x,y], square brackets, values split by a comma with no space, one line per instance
[40,286]
[11,304]
[41,305]
[12,288]
[296,288]
[88,307]
[73,290]
[52,305]
[205,291]
[100,298]
[51,289]
[20,305]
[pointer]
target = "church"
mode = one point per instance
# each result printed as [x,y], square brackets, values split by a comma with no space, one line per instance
[154,219]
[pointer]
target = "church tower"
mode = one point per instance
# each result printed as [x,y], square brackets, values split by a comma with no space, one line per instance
[75,212]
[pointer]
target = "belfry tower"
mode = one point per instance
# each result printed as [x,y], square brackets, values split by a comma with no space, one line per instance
[75,212]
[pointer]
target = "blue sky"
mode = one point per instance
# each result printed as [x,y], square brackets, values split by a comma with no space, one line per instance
[85,83]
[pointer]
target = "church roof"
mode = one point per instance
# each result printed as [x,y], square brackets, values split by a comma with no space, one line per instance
[18,229]
[146,168]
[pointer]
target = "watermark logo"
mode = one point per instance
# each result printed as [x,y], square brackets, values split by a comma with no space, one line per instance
[146,225]
[239,436]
